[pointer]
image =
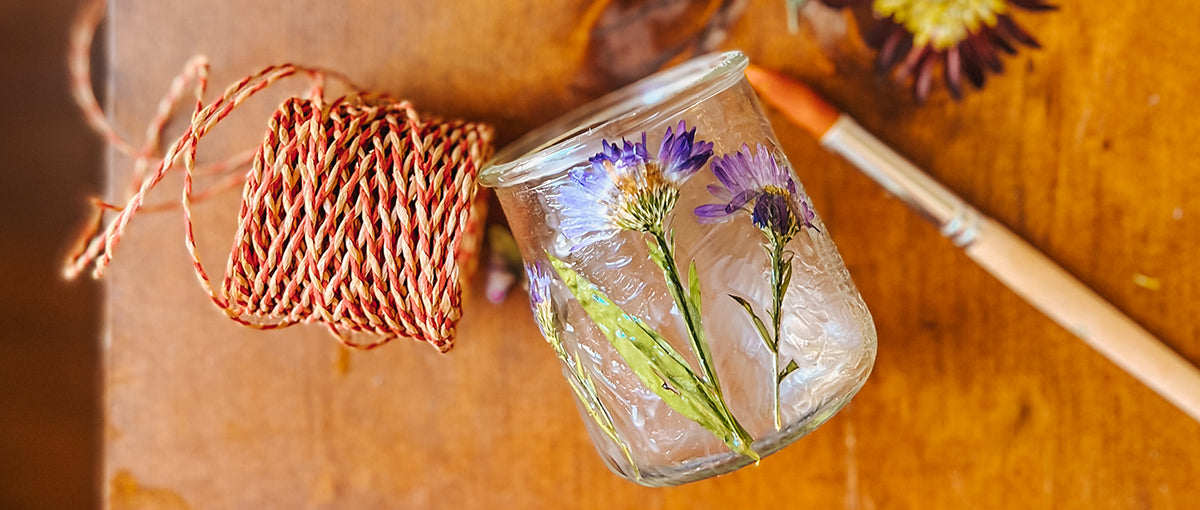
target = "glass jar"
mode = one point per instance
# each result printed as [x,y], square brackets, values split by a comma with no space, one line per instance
[702,315]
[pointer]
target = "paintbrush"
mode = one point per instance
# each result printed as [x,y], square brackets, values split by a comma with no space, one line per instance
[1017,264]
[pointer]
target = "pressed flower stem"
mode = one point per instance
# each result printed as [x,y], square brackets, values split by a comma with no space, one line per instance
[581,384]
[691,315]
[663,253]
[779,288]
[586,392]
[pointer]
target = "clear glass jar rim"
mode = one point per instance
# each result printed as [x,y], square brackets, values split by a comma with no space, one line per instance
[693,80]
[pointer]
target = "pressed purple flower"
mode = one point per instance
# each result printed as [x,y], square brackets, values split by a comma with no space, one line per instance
[680,154]
[625,188]
[964,36]
[539,283]
[757,183]
[539,296]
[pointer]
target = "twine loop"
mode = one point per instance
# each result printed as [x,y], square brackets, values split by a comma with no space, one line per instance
[357,213]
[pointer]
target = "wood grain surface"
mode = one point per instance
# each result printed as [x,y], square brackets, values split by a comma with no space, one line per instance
[1086,148]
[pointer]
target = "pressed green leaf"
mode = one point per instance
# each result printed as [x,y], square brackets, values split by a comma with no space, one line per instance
[656,253]
[658,365]
[694,290]
[758,323]
[787,275]
[694,305]
[791,367]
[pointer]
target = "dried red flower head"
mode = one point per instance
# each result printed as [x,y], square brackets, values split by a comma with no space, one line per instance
[965,36]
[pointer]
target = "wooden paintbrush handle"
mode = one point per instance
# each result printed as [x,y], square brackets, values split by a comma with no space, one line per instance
[1021,267]
[1081,311]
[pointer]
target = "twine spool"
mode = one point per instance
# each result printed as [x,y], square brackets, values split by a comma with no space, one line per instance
[356,213]
[353,215]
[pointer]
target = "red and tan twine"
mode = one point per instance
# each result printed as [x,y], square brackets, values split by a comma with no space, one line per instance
[357,212]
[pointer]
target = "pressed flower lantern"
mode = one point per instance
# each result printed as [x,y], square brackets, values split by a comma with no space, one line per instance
[702,316]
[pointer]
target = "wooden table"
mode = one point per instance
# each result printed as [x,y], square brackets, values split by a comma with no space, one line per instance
[1087,148]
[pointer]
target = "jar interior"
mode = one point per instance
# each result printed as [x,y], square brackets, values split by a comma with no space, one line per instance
[550,148]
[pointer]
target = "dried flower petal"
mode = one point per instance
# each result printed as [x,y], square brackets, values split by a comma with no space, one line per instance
[965,36]
[756,182]
[624,188]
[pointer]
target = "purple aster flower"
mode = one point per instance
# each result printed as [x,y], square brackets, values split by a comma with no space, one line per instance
[680,154]
[756,183]
[625,188]
[539,283]
[539,296]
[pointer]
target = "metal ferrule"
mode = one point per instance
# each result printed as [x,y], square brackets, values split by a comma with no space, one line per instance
[954,218]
